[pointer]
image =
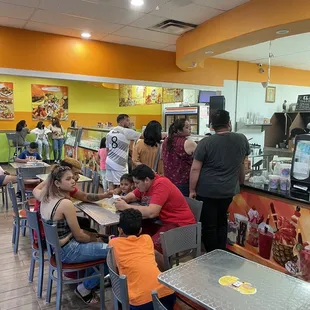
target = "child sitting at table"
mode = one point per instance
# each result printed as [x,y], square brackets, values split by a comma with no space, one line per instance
[126,185]
[135,257]
[30,152]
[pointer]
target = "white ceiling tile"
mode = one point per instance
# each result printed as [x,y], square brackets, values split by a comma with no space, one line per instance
[221,4]
[147,21]
[149,5]
[134,42]
[170,48]
[92,10]
[144,34]
[43,16]
[60,30]
[190,13]
[28,3]
[12,22]
[15,11]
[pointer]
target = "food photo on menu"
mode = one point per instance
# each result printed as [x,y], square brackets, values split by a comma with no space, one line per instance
[49,102]
[6,101]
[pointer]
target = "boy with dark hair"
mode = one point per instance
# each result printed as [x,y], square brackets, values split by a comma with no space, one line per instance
[158,197]
[135,258]
[31,151]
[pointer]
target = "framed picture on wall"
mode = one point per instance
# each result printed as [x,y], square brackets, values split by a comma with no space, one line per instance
[270,94]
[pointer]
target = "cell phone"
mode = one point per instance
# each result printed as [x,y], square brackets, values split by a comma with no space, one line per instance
[105,238]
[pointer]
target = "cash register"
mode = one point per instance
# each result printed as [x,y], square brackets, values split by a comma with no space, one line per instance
[300,171]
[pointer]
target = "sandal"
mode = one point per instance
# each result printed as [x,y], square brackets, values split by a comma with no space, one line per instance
[91,298]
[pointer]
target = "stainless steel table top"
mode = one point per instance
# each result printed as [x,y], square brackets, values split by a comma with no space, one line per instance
[29,165]
[198,281]
[82,178]
[100,215]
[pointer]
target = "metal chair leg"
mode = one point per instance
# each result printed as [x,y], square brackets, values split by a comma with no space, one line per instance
[17,232]
[49,286]
[102,293]
[115,302]
[6,198]
[32,266]
[59,292]
[14,233]
[41,274]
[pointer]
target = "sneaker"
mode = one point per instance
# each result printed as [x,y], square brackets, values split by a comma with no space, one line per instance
[91,298]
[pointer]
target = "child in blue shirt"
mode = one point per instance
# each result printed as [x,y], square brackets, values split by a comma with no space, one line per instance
[31,151]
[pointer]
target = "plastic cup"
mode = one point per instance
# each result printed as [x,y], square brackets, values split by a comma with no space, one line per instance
[285,170]
[274,181]
[284,184]
[265,243]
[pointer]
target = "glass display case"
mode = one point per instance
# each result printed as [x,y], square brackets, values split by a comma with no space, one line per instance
[89,144]
[71,142]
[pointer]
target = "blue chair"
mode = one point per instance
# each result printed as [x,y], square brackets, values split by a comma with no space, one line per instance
[179,240]
[55,264]
[19,217]
[37,254]
[119,284]
[157,305]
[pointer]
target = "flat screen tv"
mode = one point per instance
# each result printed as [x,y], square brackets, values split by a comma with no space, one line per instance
[204,96]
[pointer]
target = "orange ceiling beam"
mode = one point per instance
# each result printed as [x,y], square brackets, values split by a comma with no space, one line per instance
[251,23]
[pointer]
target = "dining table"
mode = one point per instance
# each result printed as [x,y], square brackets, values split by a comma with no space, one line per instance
[82,178]
[16,165]
[102,212]
[220,280]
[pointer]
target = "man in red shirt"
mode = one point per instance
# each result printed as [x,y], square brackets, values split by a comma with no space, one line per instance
[159,198]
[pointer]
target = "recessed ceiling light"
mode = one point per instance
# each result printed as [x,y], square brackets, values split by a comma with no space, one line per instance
[282,31]
[137,2]
[85,35]
[209,52]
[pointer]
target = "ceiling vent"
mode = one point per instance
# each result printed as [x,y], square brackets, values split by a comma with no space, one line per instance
[173,27]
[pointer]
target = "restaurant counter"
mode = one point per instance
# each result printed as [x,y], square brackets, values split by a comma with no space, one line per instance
[288,216]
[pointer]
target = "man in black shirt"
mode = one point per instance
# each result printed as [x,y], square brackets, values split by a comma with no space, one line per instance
[216,173]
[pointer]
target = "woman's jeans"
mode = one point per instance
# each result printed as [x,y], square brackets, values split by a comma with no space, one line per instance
[76,252]
[57,148]
[46,146]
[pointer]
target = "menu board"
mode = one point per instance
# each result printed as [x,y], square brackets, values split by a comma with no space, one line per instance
[6,101]
[49,101]
[171,95]
[131,95]
[303,103]
[154,95]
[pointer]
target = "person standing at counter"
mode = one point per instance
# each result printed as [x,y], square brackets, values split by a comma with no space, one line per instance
[215,175]
[147,151]
[177,154]
[118,141]
[42,139]
[21,132]
[57,138]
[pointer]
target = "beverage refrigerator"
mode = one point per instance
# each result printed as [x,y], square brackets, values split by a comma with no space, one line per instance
[198,117]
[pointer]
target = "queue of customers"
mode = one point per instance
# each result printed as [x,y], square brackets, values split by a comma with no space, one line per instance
[42,133]
[150,203]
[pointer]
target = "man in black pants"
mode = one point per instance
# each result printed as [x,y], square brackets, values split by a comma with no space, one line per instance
[216,173]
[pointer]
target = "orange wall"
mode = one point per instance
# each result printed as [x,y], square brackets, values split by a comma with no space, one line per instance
[22,49]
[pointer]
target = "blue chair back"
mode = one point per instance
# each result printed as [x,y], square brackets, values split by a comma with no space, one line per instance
[33,224]
[95,182]
[52,244]
[12,195]
[119,282]
[157,305]
[180,239]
